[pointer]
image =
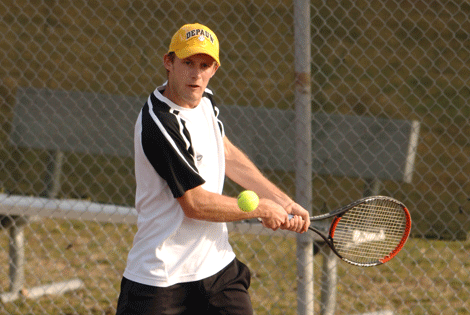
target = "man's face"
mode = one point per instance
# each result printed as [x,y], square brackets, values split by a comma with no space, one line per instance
[188,78]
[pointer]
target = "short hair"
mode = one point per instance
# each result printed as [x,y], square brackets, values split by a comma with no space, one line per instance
[172,55]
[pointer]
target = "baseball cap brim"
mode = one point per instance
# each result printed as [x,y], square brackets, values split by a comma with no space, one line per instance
[185,53]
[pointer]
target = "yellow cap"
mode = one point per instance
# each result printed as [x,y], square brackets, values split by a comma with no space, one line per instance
[192,39]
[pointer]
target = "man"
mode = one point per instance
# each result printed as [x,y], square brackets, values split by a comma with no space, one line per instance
[181,261]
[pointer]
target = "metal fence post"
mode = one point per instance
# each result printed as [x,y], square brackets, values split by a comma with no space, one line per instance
[305,298]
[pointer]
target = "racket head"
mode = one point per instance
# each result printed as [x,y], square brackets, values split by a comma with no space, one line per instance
[371,231]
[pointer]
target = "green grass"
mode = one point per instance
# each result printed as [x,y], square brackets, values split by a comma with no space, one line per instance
[427,277]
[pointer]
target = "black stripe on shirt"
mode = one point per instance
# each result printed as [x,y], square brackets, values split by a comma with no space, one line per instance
[163,142]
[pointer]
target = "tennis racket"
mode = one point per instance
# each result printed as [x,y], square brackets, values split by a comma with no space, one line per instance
[367,232]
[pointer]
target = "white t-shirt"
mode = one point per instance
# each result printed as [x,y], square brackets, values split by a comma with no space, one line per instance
[176,149]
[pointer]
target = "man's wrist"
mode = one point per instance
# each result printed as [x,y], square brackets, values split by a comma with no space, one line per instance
[289,205]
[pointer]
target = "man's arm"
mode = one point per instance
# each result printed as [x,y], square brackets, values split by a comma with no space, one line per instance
[200,204]
[240,169]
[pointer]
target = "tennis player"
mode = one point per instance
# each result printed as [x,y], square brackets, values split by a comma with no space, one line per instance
[181,261]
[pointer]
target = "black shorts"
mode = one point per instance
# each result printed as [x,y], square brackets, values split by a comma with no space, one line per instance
[224,293]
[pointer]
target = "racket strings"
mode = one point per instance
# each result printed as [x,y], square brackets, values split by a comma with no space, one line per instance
[370,231]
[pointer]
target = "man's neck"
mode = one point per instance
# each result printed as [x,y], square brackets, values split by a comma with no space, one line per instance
[169,94]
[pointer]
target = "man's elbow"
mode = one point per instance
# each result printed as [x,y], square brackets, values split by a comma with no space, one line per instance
[191,204]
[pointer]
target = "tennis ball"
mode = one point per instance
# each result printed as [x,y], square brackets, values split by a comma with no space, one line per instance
[248,200]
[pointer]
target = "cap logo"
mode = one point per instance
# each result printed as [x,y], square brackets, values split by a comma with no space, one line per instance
[201,35]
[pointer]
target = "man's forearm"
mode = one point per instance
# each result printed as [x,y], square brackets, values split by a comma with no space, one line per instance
[240,169]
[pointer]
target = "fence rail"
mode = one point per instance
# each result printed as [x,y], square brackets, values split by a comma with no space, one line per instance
[372,62]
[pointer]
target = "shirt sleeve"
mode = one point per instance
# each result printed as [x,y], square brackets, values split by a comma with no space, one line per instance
[167,145]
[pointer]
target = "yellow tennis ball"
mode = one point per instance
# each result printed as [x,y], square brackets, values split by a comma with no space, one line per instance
[248,200]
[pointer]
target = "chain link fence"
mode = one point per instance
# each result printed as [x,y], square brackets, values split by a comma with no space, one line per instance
[389,78]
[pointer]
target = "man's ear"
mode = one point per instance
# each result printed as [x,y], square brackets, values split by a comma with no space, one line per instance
[167,62]
[215,69]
